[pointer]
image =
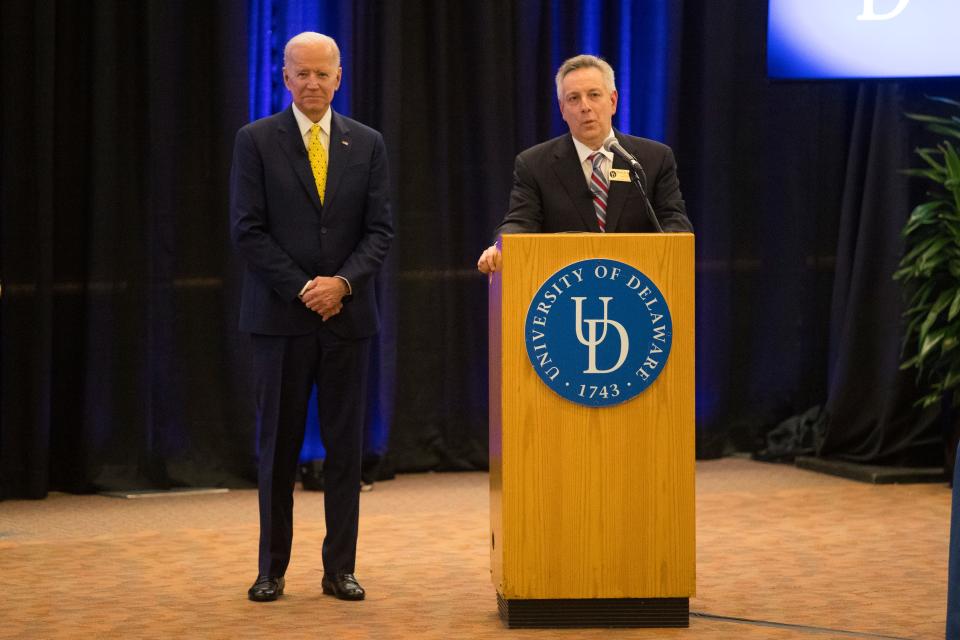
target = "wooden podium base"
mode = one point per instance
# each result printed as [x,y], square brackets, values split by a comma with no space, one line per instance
[595,612]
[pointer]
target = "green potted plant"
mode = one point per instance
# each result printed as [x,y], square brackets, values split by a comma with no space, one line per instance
[930,267]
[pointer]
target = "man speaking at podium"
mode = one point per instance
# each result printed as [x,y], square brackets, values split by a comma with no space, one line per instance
[582,181]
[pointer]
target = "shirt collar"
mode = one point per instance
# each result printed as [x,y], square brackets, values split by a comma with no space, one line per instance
[584,152]
[305,123]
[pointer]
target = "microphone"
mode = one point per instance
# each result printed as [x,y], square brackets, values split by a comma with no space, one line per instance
[613,145]
[638,175]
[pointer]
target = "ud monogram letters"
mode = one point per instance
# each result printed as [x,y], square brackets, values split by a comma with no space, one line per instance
[598,332]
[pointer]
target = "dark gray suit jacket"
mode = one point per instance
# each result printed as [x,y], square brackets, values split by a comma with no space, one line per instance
[287,237]
[550,193]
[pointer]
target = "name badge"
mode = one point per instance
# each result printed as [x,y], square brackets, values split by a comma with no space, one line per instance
[619,175]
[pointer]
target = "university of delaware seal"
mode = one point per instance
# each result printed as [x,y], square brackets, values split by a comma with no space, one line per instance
[598,332]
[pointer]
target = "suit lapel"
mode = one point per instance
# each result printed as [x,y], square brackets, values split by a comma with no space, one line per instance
[292,144]
[338,156]
[566,165]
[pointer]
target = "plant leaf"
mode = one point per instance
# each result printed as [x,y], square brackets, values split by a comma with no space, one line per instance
[930,342]
[936,176]
[948,101]
[930,266]
[954,307]
[944,129]
[928,156]
[923,117]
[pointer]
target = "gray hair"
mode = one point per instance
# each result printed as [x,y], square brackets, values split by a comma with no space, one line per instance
[307,38]
[585,61]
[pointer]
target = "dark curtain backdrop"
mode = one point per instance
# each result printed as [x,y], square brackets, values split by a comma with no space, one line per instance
[118,342]
[121,364]
[762,168]
[870,414]
[798,203]
[475,86]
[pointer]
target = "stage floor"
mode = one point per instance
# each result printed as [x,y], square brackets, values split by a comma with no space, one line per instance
[781,553]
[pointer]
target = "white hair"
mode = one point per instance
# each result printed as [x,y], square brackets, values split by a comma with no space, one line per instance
[308,38]
[585,61]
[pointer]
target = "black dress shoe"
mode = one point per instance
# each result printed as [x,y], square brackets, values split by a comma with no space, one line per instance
[266,589]
[343,586]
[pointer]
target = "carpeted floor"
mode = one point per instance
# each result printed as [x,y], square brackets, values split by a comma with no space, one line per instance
[782,553]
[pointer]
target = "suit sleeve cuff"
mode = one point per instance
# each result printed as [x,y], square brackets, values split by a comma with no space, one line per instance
[349,288]
[304,289]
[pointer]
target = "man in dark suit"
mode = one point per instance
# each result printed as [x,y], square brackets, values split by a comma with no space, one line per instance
[571,183]
[310,216]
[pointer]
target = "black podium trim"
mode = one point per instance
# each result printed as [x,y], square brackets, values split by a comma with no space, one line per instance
[594,612]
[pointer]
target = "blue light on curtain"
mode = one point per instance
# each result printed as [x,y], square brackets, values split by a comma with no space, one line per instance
[643,66]
[271,24]
[624,69]
[634,36]
[590,25]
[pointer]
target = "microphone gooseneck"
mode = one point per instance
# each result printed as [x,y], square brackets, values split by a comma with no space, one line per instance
[638,177]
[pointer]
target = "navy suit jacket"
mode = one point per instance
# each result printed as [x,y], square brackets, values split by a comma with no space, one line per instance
[287,237]
[550,193]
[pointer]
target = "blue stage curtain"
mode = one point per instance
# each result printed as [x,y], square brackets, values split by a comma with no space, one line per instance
[635,36]
[120,355]
[461,89]
[639,38]
[271,24]
[118,341]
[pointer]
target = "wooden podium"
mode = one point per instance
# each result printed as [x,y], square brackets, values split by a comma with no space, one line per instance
[591,508]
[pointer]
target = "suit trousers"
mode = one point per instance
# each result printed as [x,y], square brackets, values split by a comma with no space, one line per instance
[285,368]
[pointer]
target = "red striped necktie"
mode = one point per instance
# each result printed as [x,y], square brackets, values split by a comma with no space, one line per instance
[600,186]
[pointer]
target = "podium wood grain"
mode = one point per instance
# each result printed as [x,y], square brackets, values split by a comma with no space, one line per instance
[591,502]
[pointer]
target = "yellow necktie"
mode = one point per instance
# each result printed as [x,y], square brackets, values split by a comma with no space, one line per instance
[318,160]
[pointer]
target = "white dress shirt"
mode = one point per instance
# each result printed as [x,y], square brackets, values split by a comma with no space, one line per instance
[584,152]
[306,124]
